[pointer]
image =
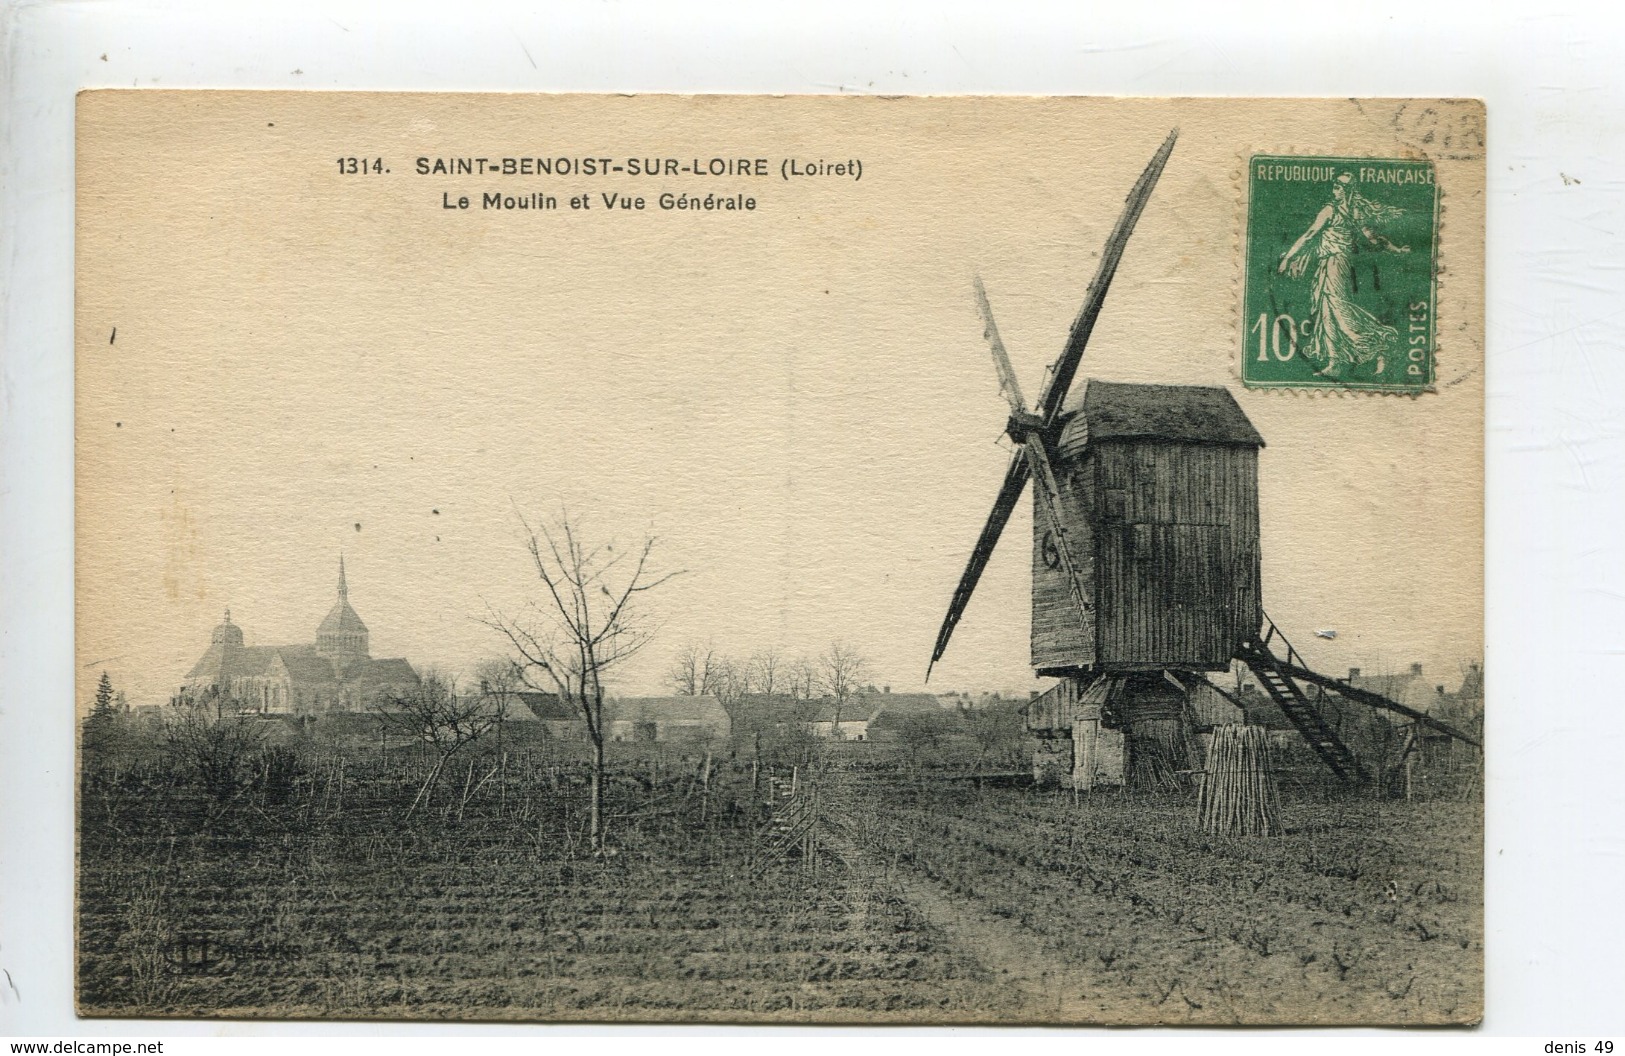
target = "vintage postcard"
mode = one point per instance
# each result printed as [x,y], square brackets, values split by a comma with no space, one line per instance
[780,559]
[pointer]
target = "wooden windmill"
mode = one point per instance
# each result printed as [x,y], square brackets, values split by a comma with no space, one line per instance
[1145,553]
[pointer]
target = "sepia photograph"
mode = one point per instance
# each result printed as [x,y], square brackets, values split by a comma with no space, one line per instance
[779,560]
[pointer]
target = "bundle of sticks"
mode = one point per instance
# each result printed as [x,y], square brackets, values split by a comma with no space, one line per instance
[1239,797]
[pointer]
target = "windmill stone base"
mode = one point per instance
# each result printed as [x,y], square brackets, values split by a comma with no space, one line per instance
[1102,732]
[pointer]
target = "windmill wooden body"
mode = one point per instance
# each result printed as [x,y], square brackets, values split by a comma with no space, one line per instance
[1146,562]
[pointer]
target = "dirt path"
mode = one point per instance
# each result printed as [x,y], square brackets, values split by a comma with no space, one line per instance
[1044,990]
[1038,987]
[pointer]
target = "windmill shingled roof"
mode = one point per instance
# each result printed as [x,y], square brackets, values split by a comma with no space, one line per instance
[1190,413]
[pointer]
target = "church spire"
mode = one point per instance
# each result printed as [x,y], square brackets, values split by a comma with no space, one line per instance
[342,636]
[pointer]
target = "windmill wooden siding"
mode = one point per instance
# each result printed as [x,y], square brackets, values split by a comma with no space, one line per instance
[1052,710]
[1162,492]
[1062,637]
[1177,553]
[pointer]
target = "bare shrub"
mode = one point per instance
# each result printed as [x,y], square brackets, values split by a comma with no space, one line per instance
[436,715]
[213,745]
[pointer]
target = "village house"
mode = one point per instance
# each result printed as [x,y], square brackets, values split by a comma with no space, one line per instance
[659,719]
[848,722]
[759,713]
[894,713]
[870,714]
[535,716]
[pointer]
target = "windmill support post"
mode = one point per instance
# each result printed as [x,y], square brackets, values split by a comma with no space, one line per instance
[1098,751]
[1085,752]
[1127,729]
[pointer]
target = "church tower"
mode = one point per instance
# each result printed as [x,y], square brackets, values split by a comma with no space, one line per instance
[342,637]
[227,633]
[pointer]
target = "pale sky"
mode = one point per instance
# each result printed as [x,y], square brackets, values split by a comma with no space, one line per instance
[796,401]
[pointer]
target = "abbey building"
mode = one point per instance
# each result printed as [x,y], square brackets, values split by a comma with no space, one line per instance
[335,673]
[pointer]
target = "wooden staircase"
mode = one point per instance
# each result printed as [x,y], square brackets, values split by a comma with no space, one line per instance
[1305,715]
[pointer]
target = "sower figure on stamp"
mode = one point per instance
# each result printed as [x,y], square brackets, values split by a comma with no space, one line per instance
[1345,334]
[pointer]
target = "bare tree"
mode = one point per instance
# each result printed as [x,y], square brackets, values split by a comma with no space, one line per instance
[585,623]
[920,735]
[730,682]
[700,670]
[733,689]
[801,679]
[499,678]
[436,715]
[841,671]
[765,671]
[690,673]
[500,683]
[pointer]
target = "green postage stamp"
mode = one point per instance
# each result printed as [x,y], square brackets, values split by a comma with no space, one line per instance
[1340,272]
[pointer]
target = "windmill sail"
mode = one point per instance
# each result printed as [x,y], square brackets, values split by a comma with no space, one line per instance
[1015,479]
[1046,486]
[1051,398]
[1060,379]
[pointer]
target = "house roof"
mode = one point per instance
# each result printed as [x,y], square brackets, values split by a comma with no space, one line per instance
[938,718]
[902,702]
[665,709]
[888,708]
[753,710]
[855,710]
[544,705]
[1202,414]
